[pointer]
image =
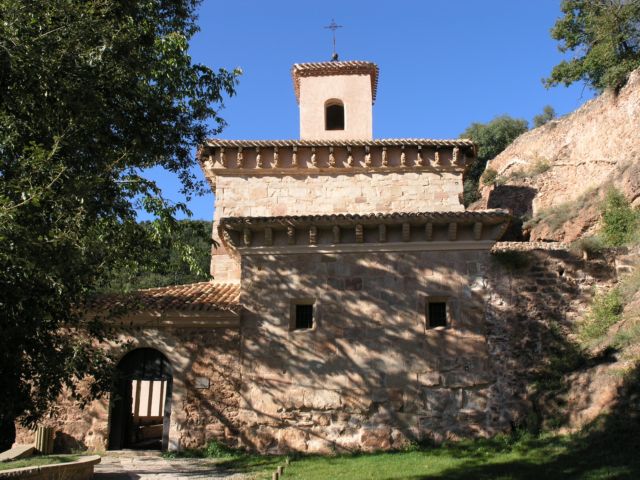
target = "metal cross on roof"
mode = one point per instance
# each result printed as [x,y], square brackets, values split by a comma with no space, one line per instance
[333,26]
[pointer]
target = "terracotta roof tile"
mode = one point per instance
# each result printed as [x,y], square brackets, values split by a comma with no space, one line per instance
[202,297]
[497,214]
[315,69]
[382,142]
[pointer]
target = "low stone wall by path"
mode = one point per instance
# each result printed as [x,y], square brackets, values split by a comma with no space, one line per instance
[81,469]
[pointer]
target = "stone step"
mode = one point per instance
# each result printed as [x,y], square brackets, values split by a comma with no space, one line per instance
[17,452]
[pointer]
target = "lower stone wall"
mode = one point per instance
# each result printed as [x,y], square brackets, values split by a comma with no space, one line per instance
[370,374]
[536,295]
[198,414]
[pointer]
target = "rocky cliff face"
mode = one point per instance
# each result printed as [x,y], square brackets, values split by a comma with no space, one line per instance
[554,175]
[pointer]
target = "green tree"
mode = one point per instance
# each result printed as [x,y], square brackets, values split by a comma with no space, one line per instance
[491,139]
[605,37]
[548,114]
[183,257]
[92,93]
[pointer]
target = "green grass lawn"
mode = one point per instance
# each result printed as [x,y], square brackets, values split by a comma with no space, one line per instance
[606,452]
[38,460]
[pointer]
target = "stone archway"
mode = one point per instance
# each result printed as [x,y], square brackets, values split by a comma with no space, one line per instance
[141,401]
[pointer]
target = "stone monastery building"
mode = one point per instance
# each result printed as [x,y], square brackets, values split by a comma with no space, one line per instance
[348,306]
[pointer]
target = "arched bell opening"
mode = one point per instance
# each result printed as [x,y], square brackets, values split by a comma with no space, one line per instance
[334,115]
[141,402]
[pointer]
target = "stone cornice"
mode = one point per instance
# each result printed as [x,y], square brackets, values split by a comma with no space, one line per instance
[305,157]
[374,232]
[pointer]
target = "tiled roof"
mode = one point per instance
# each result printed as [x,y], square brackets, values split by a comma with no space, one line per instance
[337,219]
[194,297]
[383,142]
[315,69]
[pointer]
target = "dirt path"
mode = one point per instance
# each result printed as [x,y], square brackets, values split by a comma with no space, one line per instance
[156,467]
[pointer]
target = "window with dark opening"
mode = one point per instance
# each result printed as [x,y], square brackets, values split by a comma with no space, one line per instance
[334,116]
[304,317]
[436,314]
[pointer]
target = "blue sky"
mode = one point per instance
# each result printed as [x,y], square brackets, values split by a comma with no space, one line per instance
[443,63]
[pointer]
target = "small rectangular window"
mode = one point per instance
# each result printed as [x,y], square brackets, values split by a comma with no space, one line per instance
[303,317]
[436,314]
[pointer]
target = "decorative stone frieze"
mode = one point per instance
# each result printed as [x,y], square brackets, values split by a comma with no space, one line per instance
[427,230]
[216,157]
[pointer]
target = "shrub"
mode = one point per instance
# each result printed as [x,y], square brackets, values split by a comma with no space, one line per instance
[589,245]
[619,220]
[489,176]
[606,311]
[470,193]
[541,166]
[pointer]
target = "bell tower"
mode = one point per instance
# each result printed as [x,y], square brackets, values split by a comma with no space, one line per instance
[336,99]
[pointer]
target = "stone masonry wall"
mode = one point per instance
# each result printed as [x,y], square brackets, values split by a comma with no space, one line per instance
[535,298]
[369,375]
[317,194]
[197,414]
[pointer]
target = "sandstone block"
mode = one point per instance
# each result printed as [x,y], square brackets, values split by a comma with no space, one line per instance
[292,439]
[372,439]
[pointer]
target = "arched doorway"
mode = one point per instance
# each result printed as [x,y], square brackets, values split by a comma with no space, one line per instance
[141,402]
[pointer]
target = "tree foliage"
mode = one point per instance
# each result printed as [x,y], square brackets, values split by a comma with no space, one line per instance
[548,114]
[491,138]
[183,257]
[605,38]
[91,94]
[620,221]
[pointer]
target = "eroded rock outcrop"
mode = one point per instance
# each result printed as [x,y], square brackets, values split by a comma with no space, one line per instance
[555,174]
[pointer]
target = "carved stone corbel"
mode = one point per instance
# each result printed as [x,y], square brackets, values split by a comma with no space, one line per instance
[403,157]
[259,161]
[336,234]
[436,158]
[359,233]
[419,159]
[294,156]
[276,157]
[223,157]
[291,235]
[428,232]
[455,156]
[406,232]
[453,231]
[477,231]
[382,233]
[332,158]
[246,237]
[367,155]
[350,161]
[385,157]
[240,158]
[313,235]
[314,159]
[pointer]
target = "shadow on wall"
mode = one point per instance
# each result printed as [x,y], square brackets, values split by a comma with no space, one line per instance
[606,448]
[519,200]
[370,376]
